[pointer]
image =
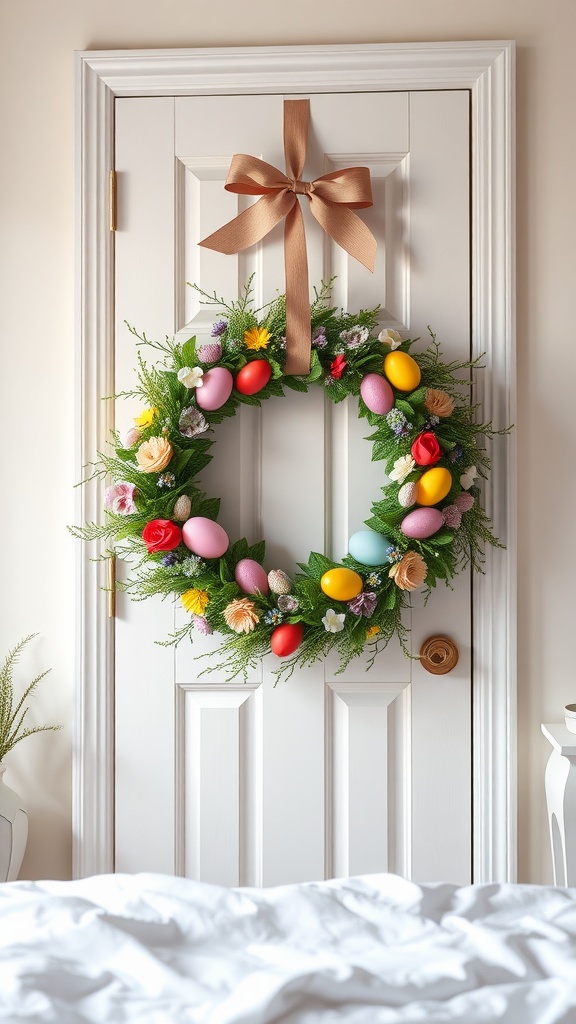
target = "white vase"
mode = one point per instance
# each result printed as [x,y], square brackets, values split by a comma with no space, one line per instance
[13,831]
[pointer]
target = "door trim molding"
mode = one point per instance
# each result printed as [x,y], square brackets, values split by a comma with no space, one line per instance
[486,69]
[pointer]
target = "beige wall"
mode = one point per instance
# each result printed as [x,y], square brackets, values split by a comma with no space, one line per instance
[37,38]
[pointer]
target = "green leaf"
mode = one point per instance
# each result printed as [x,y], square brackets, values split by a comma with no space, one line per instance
[189,352]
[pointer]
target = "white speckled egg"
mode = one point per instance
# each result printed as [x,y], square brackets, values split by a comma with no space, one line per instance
[422,523]
[407,495]
[369,547]
[377,394]
[216,389]
[205,537]
[250,576]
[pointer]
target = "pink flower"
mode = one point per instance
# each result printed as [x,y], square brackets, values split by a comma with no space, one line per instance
[364,604]
[119,498]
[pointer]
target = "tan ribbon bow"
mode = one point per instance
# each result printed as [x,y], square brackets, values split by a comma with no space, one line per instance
[332,198]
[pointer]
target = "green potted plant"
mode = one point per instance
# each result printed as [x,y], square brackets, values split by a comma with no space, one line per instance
[13,729]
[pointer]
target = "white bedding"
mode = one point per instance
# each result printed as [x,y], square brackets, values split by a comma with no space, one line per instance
[377,949]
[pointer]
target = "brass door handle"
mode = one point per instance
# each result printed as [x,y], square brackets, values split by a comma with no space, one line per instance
[438,655]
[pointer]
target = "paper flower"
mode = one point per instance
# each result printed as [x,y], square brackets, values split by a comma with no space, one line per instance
[319,339]
[154,455]
[161,535]
[195,601]
[256,338]
[425,449]
[218,328]
[391,338]
[191,377]
[241,615]
[333,621]
[464,502]
[355,336]
[438,403]
[191,422]
[402,468]
[410,572]
[166,480]
[337,367]
[468,477]
[372,631]
[363,604]
[131,437]
[273,617]
[119,498]
[202,625]
[146,418]
[287,603]
[452,516]
[210,353]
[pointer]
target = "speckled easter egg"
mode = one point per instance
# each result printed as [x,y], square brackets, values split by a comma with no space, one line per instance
[433,486]
[377,394]
[341,584]
[205,537]
[216,389]
[422,523]
[285,639]
[253,377]
[369,547]
[250,576]
[402,371]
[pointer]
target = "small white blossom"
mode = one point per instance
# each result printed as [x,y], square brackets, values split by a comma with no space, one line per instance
[468,477]
[191,377]
[402,468]
[333,621]
[391,338]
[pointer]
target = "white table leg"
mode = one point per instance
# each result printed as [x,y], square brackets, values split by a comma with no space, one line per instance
[561,801]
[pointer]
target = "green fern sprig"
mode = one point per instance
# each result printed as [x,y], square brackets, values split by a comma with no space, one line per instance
[13,716]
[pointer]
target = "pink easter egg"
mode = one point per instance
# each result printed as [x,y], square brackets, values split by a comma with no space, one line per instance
[216,388]
[422,523]
[250,576]
[205,537]
[377,394]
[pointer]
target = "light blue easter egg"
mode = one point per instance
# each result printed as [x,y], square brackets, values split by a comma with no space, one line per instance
[369,547]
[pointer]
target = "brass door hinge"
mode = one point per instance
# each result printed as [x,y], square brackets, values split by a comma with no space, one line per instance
[111,587]
[112,201]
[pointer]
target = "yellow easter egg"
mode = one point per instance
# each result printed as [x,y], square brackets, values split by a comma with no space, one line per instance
[341,584]
[433,485]
[402,371]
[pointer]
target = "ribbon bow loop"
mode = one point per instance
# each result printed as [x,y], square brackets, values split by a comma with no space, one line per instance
[332,199]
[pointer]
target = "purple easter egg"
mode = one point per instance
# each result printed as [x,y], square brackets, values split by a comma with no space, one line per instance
[216,388]
[250,576]
[422,523]
[205,537]
[377,394]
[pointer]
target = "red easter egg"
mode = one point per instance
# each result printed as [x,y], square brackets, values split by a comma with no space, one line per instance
[253,377]
[286,638]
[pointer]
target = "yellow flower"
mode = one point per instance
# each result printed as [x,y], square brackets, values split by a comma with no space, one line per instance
[195,601]
[256,337]
[410,572]
[371,631]
[154,455]
[241,615]
[146,418]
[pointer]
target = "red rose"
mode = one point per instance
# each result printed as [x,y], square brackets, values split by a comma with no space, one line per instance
[426,450]
[161,535]
[337,367]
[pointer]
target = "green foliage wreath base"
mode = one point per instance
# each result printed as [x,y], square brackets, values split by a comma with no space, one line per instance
[461,437]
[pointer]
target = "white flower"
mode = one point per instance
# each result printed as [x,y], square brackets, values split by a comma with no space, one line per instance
[468,477]
[191,377]
[333,622]
[391,338]
[402,467]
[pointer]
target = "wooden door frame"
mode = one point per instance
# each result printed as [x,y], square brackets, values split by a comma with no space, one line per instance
[486,69]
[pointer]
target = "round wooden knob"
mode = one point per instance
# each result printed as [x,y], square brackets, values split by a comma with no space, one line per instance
[438,655]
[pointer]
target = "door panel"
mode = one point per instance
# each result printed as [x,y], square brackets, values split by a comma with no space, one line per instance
[326,773]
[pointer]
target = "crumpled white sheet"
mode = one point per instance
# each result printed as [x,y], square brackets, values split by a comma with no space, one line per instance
[376,949]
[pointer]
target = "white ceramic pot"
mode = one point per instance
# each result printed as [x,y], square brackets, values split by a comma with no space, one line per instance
[13,831]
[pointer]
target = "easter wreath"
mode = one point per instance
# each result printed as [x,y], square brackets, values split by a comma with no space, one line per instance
[428,525]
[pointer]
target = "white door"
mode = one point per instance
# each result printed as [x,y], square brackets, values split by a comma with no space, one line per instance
[325,774]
